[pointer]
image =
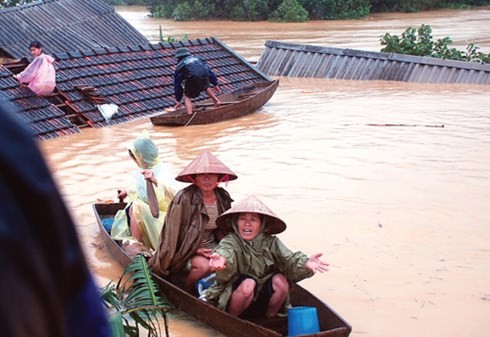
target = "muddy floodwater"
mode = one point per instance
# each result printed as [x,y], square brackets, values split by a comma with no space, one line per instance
[400,212]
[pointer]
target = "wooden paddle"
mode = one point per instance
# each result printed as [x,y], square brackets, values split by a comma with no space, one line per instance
[151,195]
[222,103]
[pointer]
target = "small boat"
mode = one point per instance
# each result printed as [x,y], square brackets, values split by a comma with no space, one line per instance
[234,104]
[331,324]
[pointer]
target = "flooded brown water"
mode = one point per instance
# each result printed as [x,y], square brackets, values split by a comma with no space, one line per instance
[399,212]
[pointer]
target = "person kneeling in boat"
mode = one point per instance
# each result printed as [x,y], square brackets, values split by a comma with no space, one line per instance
[195,76]
[189,232]
[253,267]
[136,225]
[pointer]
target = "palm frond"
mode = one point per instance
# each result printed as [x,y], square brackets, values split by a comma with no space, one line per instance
[137,299]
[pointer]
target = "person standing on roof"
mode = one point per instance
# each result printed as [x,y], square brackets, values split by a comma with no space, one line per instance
[40,74]
[192,76]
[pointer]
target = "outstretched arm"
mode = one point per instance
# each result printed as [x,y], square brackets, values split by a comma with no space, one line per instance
[217,262]
[314,263]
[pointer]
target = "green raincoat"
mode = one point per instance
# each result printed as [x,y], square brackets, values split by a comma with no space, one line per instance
[260,258]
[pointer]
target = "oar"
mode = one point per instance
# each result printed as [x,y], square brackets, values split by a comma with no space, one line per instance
[410,125]
[151,195]
[222,103]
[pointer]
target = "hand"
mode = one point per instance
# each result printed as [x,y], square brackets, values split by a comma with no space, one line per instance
[178,105]
[122,194]
[206,252]
[314,263]
[217,262]
[150,176]
[217,89]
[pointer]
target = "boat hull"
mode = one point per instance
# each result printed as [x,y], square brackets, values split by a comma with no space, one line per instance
[238,103]
[331,324]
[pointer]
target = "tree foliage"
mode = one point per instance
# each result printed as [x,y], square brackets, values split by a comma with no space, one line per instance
[135,302]
[254,10]
[420,42]
[11,3]
[289,11]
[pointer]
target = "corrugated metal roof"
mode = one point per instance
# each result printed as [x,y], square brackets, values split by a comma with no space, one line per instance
[297,60]
[138,78]
[64,25]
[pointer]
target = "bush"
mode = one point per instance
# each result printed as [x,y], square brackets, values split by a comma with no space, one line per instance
[289,11]
[423,45]
[195,10]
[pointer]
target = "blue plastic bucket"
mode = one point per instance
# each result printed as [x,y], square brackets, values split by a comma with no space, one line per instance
[302,321]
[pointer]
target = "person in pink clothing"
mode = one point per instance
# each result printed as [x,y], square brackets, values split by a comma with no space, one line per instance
[39,74]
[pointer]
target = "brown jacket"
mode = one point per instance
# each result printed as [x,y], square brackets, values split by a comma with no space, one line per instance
[183,228]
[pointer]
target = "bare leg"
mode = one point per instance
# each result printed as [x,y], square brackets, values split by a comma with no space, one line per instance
[199,269]
[215,99]
[134,228]
[280,286]
[242,297]
[188,104]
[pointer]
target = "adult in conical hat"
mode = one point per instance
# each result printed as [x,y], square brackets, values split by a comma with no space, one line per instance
[190,232]
[271,222]
[254,269]
[206,162]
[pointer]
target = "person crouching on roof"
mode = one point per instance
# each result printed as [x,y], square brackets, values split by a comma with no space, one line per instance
[40,73]
[253,267]
[192,76]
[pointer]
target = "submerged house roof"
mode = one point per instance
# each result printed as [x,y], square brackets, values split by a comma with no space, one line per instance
[137,78]
[297,60]
[64,25]
[45,119]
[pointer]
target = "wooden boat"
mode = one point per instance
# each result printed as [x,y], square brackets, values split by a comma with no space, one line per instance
[234,104]
[331,324]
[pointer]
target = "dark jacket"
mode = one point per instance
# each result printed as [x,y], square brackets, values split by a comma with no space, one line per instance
[46,288]
[183,228]
[191,67]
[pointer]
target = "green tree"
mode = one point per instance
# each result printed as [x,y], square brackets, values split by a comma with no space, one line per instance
[289,11]
[422,44]
[11,3]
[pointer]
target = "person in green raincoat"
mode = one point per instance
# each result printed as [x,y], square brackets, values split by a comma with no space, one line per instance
[253,267]
[136,222]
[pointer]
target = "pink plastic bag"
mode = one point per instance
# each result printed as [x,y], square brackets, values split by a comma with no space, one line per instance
[40,75]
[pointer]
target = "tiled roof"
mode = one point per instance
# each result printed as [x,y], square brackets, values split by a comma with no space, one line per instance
[44,118]
[64,25]
[139,79]
[297,60]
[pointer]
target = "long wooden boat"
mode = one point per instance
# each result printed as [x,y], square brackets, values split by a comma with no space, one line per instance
[234,104]
[331,324]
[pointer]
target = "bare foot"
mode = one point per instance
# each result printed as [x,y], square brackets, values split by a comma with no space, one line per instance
[217,103]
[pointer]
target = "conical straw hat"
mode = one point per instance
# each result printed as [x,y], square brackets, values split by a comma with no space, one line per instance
[252,204]
[206,162]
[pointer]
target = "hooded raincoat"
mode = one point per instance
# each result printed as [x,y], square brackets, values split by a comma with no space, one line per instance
[260,259]
[146,154]
[40,75]
[183,229]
